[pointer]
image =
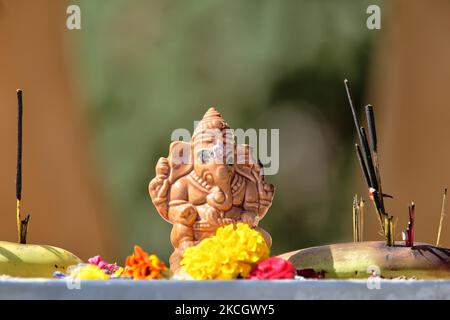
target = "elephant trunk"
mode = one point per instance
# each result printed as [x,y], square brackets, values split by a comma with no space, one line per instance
[221,196]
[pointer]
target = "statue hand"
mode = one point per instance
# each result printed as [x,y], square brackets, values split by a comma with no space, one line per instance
[155,186]
[159,185]
[162,167]
[184,214]
[267,192]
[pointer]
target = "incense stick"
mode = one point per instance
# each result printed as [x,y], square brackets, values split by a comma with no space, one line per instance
[441,220]
[381,216]
[366,155]
[358,219]
[19,163]
[389,230]
[362,164]
[409,233]
[19,146]
[371,127]
[361,220]
[369,161]
[22,225]
[373,177]
[350,101]
[367,174]
[372,192]
[354,213]
[412,218]
[370,116]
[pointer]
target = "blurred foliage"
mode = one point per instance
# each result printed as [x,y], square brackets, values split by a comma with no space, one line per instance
[152,66]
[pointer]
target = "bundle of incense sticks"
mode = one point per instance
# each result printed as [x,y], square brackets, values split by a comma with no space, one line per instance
[367,155]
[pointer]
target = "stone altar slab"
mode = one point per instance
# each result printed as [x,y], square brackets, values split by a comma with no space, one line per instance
[223,290]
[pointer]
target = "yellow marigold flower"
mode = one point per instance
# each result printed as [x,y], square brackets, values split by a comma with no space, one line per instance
[88,272]
[230,253]
[118,272]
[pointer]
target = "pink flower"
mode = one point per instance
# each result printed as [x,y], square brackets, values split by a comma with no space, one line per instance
[97,260]
[273,268]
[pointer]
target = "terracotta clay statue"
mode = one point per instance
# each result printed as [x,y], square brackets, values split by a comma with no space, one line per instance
[207,183]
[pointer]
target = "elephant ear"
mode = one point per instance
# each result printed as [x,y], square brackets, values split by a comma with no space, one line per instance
[266,191]
[254,171]
[181,160]
[168,170]
[245,161]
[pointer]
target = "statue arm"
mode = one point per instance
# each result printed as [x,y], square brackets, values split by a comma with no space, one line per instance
[180,210]
[159,188]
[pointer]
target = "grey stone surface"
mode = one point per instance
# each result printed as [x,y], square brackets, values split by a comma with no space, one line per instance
[223,290]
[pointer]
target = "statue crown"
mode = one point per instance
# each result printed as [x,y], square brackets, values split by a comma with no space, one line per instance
[210,121]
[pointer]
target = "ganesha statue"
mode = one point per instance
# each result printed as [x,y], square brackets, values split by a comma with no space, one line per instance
[207,183]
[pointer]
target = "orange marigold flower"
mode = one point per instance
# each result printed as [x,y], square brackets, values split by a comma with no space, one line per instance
[141,265]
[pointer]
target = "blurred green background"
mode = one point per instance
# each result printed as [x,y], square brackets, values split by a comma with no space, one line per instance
[149,67]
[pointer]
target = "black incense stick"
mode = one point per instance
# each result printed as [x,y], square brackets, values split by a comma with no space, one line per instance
[22,225]
[371,127]
[370,115]
[373,176]
[362,164]
[363,141]
[350,102]
[369,161]
[19,146]
[374,145]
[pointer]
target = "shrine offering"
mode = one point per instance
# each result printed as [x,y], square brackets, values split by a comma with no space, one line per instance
[208,183]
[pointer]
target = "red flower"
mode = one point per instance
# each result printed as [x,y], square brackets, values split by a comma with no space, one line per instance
[273,268]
